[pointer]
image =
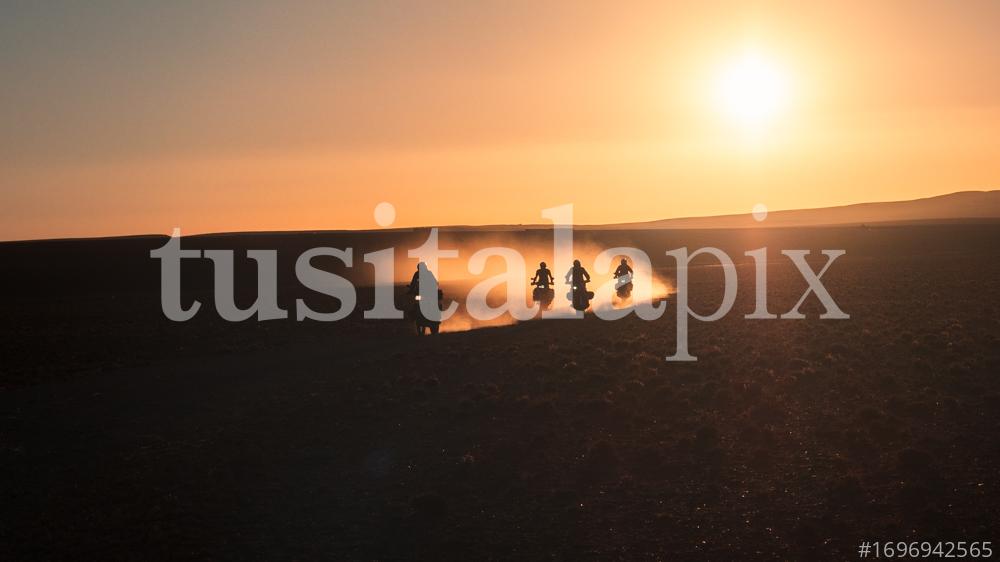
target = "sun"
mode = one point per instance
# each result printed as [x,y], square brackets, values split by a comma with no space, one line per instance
[751,90]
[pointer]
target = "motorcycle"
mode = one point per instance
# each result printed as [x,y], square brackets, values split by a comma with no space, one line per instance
[543,295]
[623,286]
[580,296]
[421,322]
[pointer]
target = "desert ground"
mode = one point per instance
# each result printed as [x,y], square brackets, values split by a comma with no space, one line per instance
[126,436]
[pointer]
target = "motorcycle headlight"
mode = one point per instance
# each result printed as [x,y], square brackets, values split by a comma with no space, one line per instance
[417,297]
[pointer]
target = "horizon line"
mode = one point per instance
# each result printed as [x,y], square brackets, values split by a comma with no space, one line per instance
[536,226]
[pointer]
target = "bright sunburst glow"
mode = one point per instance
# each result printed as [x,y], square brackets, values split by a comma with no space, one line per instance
[751,90]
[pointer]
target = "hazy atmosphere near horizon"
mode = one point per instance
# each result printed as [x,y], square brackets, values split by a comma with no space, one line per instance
[136,117]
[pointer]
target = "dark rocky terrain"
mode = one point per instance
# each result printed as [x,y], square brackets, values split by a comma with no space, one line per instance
[126,436]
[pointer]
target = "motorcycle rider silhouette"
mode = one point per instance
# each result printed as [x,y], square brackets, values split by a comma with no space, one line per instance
[543,294]
[623,280]
[420,320]
[578,277]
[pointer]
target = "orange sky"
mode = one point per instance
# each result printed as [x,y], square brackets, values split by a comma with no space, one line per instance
[125,119]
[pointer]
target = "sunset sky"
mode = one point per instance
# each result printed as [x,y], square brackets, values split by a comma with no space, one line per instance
[136,117]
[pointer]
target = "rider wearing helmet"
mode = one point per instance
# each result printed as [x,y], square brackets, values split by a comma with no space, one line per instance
[623,269]
[543,277]
[577,275]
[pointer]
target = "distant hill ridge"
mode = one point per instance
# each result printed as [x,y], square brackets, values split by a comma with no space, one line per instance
[953,207]
[946,208]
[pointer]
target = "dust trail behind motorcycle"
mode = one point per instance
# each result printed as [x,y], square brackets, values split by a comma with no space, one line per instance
[455,279]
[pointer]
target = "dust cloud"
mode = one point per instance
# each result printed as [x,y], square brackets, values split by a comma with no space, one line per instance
[456,281]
